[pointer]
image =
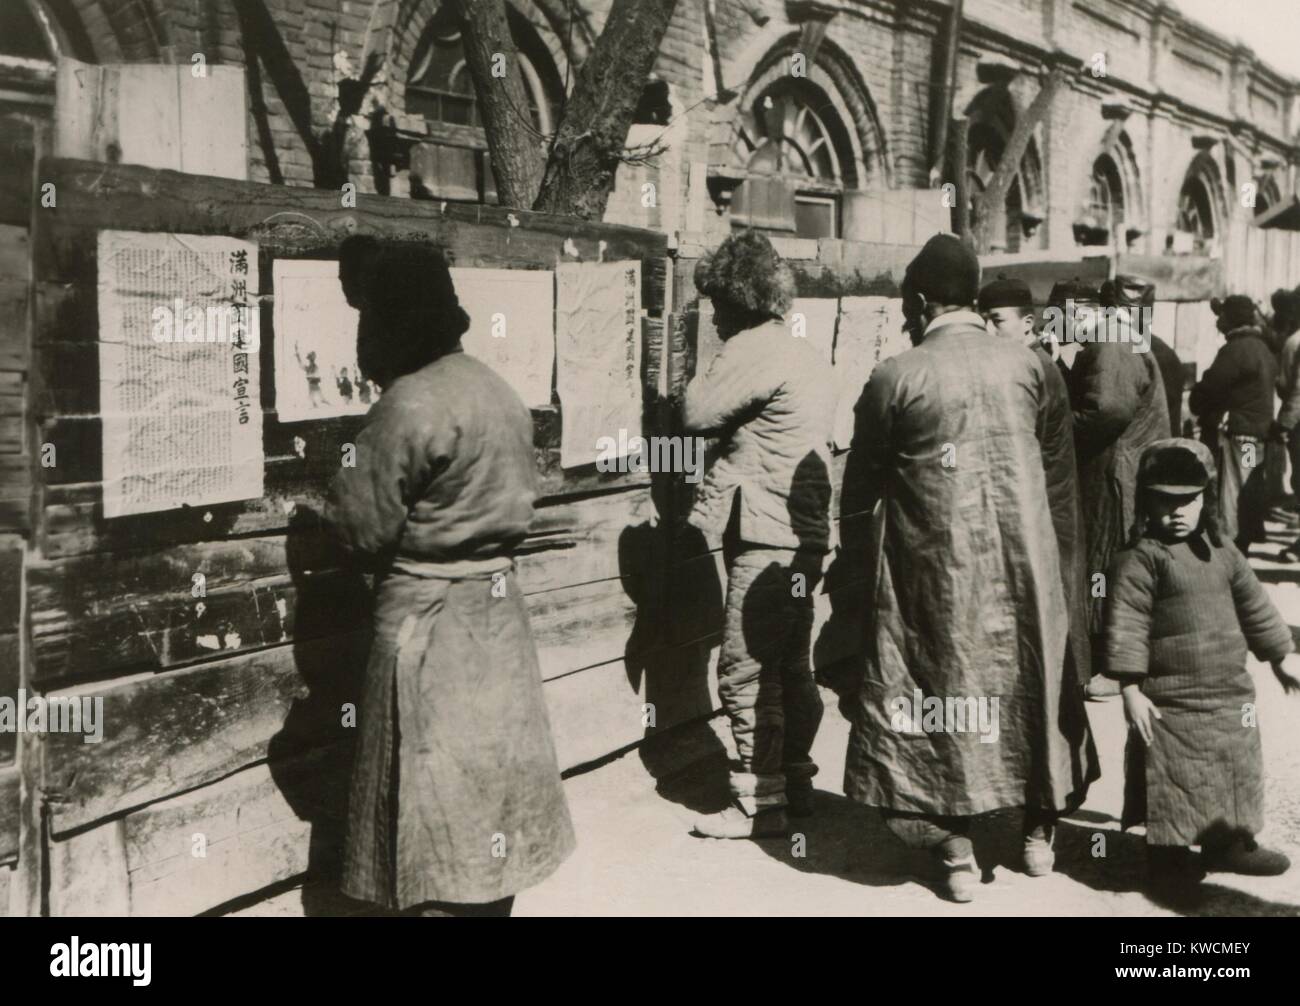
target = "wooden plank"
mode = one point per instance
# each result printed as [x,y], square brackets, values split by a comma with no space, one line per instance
[307,222]
[149,116]
[10,681]
[15,245]
[10,814]
[265,824]
[15,492]
[174,732]
[213,122]
[88,874]
[105,612]
[13,324]
[285,817]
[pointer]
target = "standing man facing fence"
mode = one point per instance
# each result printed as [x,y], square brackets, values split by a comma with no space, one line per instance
[966,613]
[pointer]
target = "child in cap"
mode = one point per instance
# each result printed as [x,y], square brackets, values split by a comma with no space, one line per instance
[1183,608]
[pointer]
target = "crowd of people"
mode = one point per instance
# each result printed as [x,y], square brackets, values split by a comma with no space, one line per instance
[1039,532]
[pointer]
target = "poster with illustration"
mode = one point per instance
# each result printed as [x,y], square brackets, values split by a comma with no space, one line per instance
[316,373]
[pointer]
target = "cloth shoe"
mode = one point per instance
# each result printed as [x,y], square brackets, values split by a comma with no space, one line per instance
[1245,856]
[1039,856]
[733,822]
[960,879]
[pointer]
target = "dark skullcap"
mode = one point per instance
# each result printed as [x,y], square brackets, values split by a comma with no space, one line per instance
[945,271]
[1072,289]
[1004,292]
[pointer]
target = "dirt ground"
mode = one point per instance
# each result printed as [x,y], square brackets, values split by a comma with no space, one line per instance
[636,857]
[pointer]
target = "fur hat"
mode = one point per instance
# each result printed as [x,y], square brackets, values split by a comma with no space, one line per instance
[1236,311]
[745,272]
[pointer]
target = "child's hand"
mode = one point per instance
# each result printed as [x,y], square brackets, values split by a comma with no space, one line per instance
[1285,670]
[1139,710]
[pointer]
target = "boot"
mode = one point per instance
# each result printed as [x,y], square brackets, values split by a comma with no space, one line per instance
[733,822]
[1246,857]
[1039,857]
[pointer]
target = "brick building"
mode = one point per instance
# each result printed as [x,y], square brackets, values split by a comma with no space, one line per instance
[1161,140]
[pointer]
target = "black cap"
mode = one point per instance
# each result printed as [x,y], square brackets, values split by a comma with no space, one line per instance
[1236,311]
[1175,466]
[945,271]
[1072,289]
[1004,292]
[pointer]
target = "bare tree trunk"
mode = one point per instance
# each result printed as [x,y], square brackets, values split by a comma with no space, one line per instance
[994,197]
[592,133]
[515,146]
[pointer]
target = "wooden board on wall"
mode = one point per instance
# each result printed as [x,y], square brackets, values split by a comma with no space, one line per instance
[284,817]
[159,116]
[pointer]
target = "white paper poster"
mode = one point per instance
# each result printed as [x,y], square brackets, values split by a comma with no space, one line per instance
[870,329]
[179,381]
[511,325]
[316,372]
[815,318]
[598,356]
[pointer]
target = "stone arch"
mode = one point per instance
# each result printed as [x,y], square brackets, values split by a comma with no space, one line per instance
[1115,163]
[399,31]
[992,114]
[833,83]
[1202,207]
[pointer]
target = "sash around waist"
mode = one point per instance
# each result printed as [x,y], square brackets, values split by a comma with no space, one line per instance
[455,569]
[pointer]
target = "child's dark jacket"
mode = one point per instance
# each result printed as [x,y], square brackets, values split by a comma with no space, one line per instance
[1181,616]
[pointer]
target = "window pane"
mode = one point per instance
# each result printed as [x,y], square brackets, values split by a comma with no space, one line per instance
[815,218]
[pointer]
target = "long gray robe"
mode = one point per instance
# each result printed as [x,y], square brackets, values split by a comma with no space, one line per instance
[966,590]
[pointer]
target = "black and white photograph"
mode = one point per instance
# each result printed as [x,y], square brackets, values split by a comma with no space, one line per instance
[652,458]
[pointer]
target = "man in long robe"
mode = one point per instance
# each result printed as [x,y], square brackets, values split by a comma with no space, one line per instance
[962,708]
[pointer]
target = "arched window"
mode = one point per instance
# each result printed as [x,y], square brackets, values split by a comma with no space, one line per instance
[439,86]
[1104,209]
[21,34]
[1196,212]
[795,133]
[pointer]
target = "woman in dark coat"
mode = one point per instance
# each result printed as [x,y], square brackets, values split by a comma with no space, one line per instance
[1184,607]
[456,800]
